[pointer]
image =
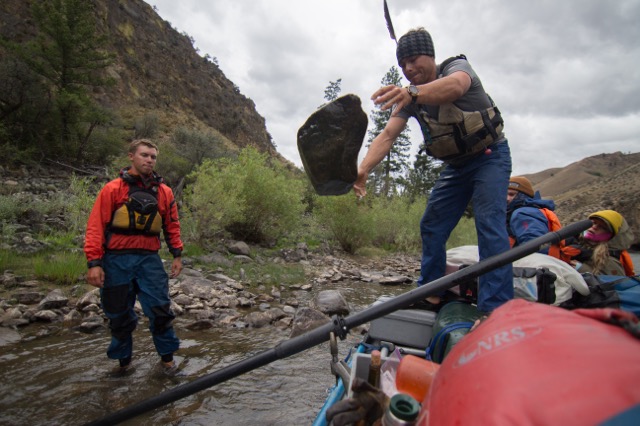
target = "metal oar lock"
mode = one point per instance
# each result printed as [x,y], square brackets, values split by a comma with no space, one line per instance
[339,368]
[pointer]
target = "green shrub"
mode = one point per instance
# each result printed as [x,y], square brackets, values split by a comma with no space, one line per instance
[104,145]
[62,267]
[397,223]
[350,222]
[172,165]
[147,126]
[246,197]
[464,234]
[10,208]
[81,197]
[24,208]
[390,224]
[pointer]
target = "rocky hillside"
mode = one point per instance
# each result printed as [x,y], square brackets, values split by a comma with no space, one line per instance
[157,71]
[604,181]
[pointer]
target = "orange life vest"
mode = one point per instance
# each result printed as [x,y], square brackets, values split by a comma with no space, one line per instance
[627,263]
[555,250]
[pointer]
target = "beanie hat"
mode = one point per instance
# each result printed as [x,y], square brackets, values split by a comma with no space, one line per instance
[612,218]
[413,43]
[521,184]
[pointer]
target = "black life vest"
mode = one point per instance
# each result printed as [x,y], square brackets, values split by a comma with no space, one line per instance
[139,214]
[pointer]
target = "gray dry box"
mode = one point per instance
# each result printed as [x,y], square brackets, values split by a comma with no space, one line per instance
[360,368]
[404,327]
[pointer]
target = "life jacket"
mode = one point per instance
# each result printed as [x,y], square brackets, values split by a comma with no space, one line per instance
[582,253]
[625,260]
[139,214]
[457,133]
[556,250]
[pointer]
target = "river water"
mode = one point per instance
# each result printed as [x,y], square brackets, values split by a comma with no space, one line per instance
[62,378]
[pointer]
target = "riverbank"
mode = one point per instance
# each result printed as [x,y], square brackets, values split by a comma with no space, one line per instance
[208,295]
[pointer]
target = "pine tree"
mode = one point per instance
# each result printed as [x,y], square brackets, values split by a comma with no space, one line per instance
[333,90]
[69,57]
[387,178]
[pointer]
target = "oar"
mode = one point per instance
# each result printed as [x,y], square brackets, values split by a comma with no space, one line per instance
[340,326]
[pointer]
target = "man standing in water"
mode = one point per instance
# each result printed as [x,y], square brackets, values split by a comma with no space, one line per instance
[122,243]
[462,127]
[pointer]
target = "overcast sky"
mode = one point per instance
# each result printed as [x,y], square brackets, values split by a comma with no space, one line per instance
[565,74]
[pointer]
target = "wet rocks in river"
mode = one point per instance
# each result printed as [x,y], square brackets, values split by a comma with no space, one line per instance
[307,319]
[209,298]
[395,280]
[331,302]
[329,143]
[54,300]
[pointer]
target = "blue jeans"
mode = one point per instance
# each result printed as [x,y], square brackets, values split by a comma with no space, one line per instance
[482,180]
[128,276]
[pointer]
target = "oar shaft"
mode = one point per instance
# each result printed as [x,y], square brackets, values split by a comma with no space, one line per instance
[470,272]
[280,351]
[321,334]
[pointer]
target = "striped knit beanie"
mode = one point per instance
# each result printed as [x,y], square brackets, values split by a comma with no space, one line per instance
[413,43]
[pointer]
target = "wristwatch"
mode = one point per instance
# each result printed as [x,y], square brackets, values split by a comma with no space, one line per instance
[414,92]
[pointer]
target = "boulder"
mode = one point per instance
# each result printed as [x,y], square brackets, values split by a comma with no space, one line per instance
[307,319]
[331,302]
[258,319]
[8,336]
[54,300]
[239,248]
[28,297]
[329,143]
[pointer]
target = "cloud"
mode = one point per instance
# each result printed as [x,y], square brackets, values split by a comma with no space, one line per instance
[564,74]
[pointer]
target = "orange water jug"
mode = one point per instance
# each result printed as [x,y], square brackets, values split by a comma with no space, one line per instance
[414,376]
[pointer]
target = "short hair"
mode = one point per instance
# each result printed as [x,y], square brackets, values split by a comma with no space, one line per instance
[133,146]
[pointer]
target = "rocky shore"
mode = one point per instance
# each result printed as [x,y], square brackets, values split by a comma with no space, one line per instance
[204,297]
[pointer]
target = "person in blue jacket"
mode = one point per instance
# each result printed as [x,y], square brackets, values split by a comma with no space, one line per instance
[529,216]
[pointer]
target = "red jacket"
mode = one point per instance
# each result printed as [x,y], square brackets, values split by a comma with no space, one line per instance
[111,197]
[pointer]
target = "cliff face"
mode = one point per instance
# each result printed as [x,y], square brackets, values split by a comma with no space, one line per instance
[601,182]
[157,71]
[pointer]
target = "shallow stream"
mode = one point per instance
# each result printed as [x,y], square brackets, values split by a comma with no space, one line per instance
[62,378]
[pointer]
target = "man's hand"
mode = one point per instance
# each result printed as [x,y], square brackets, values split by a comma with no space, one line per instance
[360,185]
[391,97]
[368,404]
[95,276]
[176,267]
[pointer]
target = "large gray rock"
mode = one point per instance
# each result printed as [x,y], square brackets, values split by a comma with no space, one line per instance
[239,248]
[329,143]
[28,297]
[9,336]
[306,319]
[331,302]
[54,300]
[258,319]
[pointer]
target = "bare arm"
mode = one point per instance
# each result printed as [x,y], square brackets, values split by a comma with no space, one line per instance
[378,149]
[441,91]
